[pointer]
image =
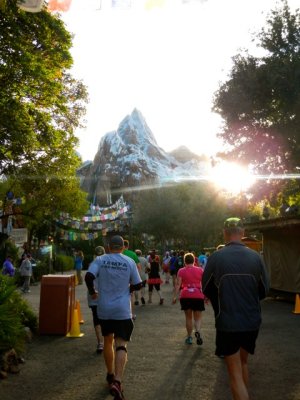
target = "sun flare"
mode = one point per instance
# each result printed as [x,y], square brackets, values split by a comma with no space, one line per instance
[232,177]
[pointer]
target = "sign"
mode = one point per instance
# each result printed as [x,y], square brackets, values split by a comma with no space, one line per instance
[20,236]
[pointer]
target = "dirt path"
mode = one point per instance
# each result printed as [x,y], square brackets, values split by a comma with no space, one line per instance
[160,366]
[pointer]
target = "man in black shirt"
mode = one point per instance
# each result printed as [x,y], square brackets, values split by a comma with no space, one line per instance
[235,281]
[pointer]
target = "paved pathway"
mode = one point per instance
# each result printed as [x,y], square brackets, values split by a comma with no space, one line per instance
[160,366]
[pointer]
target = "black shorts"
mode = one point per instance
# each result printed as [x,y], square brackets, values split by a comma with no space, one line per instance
[192,304]
[96,320]
[119,328]
[152,285]
[228,343]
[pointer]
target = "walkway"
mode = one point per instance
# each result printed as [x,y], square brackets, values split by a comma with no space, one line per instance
[160,366]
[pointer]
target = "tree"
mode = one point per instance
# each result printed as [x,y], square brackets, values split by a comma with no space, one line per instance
[260,103]
[188,213]
[41,104]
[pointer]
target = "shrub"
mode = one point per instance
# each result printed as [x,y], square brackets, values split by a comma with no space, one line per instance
[42,268]
[63,263]
[15,315]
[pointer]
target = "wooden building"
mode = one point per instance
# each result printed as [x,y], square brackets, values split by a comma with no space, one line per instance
[281,250]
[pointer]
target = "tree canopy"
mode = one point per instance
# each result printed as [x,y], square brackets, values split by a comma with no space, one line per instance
[41,105]
[188,214]
[260,102]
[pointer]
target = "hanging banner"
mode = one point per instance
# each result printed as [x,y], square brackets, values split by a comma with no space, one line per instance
[59,5]
[121,4]
[108,219]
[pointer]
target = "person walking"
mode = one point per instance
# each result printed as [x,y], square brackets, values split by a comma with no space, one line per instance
[202,259]
[191,297]
[78,265]
[166,266]
[235,280]
[26,272]
[99,251]
[8,268]
[117,276]
[154,280]
[143,275]
[172,268]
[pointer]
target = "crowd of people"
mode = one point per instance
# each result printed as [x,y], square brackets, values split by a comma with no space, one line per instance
[233,279]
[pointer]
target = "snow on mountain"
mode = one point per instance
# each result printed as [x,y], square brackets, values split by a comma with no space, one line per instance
[130,157]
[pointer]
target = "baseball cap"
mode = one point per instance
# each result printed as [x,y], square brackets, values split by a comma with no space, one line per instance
[116,242]
[99,250]
[233,222]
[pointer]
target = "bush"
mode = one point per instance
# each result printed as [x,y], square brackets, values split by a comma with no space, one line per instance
[15,315]
[63,263]
[42,268]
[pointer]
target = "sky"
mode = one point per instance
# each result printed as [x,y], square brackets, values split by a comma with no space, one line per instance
[166,58]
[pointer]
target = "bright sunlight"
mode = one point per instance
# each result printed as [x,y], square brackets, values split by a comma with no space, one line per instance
[232,177]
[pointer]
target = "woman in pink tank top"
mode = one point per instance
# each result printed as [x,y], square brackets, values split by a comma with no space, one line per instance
[189,284]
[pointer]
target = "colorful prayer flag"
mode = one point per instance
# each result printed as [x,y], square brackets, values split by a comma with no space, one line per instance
[59,5]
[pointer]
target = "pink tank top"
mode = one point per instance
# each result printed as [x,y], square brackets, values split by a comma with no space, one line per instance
[191,282]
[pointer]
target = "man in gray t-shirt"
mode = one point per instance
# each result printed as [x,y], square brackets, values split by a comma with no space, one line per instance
[117,276]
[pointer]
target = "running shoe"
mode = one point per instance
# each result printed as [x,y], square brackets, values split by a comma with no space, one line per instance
[199,338]
[189,340]
[143,301]
[161,302]
[99,348]
[136,303]
[116,391]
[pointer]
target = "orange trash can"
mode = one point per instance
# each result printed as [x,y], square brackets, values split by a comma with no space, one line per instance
[57,302]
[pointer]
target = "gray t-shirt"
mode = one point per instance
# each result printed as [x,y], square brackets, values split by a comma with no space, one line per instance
[114,273]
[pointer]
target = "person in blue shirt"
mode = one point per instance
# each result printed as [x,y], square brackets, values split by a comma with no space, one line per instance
[117,276]
[8,268]
[78,265]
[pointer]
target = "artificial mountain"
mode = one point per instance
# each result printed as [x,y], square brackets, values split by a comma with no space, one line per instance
[130,157]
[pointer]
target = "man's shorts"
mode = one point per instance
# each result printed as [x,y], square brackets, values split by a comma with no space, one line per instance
[120,328]
[192,304]
[228,343]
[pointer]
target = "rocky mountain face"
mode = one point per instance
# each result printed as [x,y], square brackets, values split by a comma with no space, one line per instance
[130,157]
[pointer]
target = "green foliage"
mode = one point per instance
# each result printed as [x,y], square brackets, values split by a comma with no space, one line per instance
[15,315]
[187,214]
[63,263]
[42,268]
[260,102]
[41,105]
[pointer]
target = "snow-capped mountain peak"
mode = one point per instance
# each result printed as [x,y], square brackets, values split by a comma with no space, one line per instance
[130,156]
